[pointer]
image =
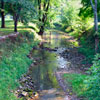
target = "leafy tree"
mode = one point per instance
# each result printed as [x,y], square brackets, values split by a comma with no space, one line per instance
[69,14]
[21,10]
[91,8]
[45,13]
[86,10]
[43,8]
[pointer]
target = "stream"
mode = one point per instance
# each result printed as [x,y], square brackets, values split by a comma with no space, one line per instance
[47,66]
[48,61]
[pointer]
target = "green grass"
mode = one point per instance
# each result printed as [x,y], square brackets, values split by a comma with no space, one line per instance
[10,28]
[11,69]
[75,81]
[87,49]
[13,63]
[8,46]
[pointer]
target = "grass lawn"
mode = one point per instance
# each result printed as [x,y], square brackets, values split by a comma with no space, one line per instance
[10,28]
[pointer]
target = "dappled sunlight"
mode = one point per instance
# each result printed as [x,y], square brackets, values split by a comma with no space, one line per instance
[37,37]
[24,29]
[65,39]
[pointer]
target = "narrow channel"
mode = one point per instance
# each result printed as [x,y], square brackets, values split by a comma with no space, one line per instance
[47,62]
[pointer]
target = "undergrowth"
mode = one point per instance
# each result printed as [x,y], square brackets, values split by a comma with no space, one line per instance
[87,49]
[93,82]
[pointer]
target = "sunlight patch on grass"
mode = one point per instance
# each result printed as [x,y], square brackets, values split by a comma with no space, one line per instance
[9,29]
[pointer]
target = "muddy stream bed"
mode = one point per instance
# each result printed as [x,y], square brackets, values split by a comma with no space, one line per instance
[43,80]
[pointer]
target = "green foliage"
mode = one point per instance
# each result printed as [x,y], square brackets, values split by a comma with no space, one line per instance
[87,49]
[87,86]
[69,13]
[24,9]
[79,28]
[86,11]
[46,15]
[93,82]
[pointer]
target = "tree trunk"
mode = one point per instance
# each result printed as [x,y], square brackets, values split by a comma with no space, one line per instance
[44,17]
[2,15]
[41,30]
[96,27]
[96,44]
[39,8]
[15,22]
[95,24]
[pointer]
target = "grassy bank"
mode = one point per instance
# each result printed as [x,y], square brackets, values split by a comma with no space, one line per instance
[76,82]
[14,61]
[86,86]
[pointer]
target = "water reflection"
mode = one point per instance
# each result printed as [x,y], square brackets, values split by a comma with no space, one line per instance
[43,71]
[46,64]
[54,39]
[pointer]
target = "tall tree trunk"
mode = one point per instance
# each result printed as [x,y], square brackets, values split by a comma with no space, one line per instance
[95,24]
[15,22]
[44,18]
[41,30]
[96,27]
[2,15]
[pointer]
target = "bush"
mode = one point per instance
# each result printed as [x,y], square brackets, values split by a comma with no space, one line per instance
[93,82]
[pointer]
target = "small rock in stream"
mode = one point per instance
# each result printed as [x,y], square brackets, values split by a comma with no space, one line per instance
[24,93]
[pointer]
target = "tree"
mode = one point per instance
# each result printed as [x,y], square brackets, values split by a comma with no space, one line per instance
[2,14]
[91,8]
[20,9]
[94,6]
[43,7]
[45,13]
[69,17]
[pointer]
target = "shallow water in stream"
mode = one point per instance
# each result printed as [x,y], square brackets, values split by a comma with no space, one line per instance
[47,61]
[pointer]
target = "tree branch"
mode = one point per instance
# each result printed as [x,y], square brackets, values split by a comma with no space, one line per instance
[92,4]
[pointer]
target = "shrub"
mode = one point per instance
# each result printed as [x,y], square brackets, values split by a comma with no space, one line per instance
[93,82]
